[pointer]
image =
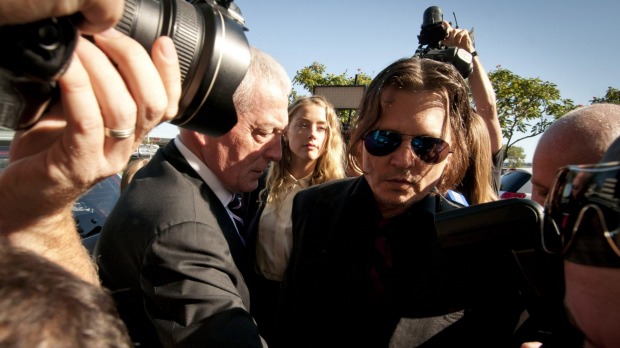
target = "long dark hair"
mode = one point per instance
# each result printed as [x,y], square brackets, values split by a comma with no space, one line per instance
[417,75]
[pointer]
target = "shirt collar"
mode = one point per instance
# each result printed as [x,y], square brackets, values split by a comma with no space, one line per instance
[216,185]
[303,182]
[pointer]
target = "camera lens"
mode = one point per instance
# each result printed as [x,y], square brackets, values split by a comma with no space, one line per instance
[213,51]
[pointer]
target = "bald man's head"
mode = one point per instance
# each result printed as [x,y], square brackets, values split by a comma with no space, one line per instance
[580,137]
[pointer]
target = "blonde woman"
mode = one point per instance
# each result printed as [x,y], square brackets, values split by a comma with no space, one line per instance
[312,153]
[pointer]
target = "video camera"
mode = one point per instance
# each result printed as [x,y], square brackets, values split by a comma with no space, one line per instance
[213,51]
[514,226]
[432,32]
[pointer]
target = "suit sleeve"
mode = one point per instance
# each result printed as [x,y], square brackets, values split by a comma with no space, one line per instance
[192,290]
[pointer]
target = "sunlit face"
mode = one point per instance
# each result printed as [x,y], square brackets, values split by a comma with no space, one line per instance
[399,179]
[559,148]
[306,133]
[242,155]
[544,167]
[593,300]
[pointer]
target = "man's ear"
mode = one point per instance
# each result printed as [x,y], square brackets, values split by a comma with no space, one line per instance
[201,139]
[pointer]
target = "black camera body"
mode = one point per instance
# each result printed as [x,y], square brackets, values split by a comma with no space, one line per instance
[432,32]
[209,36]
[33,58]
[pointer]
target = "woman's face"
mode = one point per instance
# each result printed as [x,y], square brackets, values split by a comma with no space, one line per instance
[307,132]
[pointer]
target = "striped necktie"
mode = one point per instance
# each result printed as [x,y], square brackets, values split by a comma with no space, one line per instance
[234,207]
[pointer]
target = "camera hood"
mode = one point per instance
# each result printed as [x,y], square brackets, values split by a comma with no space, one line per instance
[214,55]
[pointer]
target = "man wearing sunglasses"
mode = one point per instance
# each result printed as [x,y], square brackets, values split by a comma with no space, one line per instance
[581,136]
[582,222]
[366,269]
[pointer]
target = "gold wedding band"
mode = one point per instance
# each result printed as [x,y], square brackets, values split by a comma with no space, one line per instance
[119,133]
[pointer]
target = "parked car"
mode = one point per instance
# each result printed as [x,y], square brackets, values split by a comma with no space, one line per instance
[516,183]
[92,208]
[4,157]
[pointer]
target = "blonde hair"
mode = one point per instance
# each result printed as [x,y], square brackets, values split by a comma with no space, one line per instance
[130,171]
[477,184]
[330,164]
[263,70]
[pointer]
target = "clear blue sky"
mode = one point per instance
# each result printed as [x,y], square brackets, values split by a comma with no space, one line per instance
[573,44]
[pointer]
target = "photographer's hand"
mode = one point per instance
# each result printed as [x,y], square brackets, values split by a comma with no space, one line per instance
[458,38]
[98,15]
[64,154]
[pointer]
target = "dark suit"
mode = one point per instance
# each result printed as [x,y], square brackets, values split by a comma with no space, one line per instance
[171,256]
[263,292]
[328,295]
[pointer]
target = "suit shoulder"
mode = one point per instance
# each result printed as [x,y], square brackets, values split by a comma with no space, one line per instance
[333,186]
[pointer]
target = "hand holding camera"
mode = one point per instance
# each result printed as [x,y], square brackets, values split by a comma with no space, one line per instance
[208,35]
[109,96]
[460,38]
[436,34]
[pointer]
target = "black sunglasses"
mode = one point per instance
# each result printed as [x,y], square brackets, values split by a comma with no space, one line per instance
[581,193]
[428,149]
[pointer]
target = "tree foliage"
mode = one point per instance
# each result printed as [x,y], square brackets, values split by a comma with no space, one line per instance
[612,96]
[525,106]
[515,157]
[316,74]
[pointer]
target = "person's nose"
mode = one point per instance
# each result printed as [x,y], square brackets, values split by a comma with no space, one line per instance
[274,149]
[313,132]
[403,156]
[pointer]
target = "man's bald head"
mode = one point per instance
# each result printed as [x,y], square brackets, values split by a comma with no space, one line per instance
[580,137]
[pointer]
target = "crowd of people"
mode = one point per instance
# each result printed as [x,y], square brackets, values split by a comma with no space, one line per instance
[278,234]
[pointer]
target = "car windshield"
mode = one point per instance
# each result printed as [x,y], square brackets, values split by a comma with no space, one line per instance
[92,208]
[513,181]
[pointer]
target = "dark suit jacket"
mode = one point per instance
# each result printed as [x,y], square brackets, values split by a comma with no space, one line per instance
[263,292]
[327,290]
[171,256]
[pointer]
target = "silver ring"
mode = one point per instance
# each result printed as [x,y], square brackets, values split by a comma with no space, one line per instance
[119,133]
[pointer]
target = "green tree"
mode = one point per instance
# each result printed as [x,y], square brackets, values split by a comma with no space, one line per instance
[612,96]
[525,106]
[515,157]
[316,75]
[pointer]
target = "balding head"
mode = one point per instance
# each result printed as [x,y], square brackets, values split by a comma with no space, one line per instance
[581,136]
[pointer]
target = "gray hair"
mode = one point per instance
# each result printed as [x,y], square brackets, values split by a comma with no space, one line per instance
[263,69]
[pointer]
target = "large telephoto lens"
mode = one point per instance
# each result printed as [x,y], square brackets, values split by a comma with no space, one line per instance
[213,51]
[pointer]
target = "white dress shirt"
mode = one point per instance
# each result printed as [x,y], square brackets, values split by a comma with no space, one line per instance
[275,231]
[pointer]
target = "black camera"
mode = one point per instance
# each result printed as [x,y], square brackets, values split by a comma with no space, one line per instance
[209,36]
[432,32]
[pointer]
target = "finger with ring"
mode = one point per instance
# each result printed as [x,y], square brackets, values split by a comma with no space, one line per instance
[119,133]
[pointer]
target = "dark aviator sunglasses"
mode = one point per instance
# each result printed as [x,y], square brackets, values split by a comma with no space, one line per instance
[428,149]
[583,196]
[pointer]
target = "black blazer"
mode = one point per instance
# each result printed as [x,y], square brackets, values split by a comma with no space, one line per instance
[327,286]
[171,256]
